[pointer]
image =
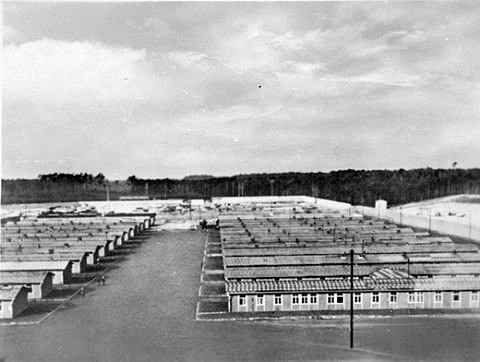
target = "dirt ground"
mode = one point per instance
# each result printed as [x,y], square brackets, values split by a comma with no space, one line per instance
[146,312]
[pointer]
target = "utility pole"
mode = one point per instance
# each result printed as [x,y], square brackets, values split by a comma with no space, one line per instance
[108,191]
[351,297]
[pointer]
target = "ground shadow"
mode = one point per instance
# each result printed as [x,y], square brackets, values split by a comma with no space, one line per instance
[36,310]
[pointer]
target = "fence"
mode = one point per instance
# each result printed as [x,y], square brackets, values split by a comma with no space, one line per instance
[464,228]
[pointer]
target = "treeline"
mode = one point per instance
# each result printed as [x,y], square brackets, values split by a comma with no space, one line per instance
[56,187]
[353,186]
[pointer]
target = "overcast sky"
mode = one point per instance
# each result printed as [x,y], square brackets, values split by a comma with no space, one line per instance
[173,89]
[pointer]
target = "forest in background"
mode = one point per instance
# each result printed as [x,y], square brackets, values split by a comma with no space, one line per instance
[358,187]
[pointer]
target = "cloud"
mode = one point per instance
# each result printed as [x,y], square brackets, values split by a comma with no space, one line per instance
[56,72]
[246,87]
[387,76]
[194,60]
[152,27]
[11,35]
[296,41]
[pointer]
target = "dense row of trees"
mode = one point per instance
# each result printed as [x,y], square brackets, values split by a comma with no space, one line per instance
[82,179]
[54,187]
[353,186]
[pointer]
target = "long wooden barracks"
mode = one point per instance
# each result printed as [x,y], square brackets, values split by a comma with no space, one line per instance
[43,252]
[303,263]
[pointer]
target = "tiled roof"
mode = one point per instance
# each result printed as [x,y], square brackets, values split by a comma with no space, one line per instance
[22,277]
[296,271]
[370,284]
[34,265]
[338,249]
[445,269]
[317,271]
[386,273]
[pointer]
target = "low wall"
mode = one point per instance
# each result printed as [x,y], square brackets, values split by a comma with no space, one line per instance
[130,205]
[328,204]
[257,199]
[463,230]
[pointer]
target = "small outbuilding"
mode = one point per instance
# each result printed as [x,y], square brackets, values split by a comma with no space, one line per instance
[13,301]
[41,283]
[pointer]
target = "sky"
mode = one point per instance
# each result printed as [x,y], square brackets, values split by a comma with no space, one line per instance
[173,89]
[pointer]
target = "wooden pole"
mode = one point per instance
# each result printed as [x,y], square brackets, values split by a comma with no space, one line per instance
[351,298]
